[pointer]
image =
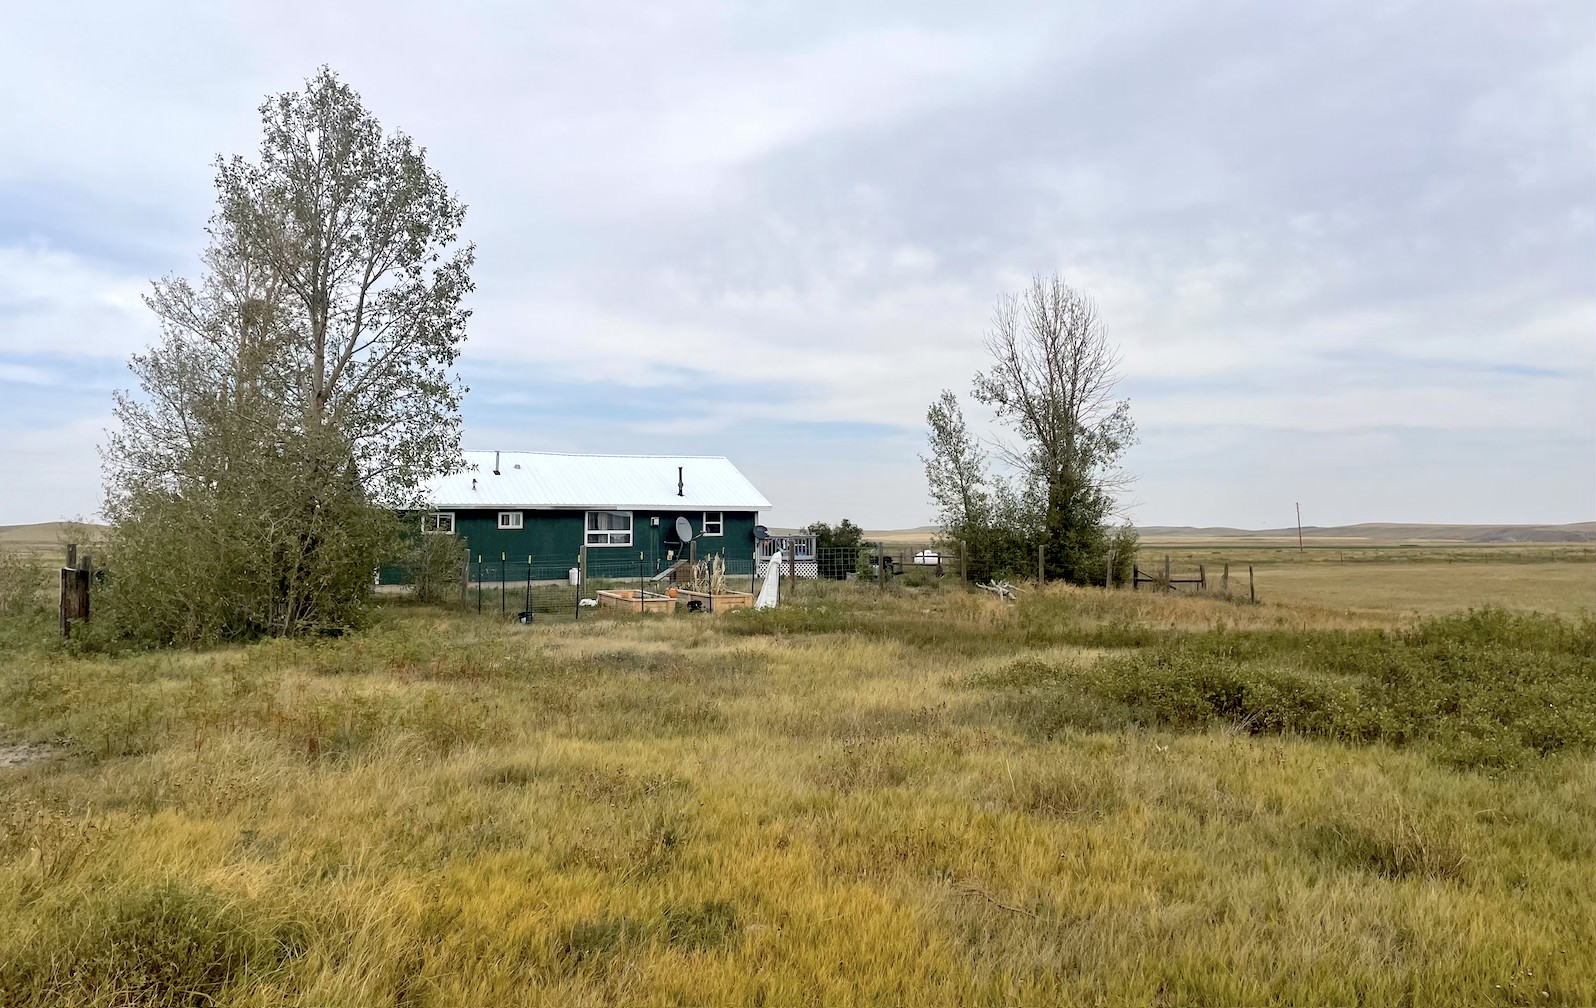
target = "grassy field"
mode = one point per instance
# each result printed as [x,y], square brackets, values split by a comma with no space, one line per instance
[1431,587]
[918,796]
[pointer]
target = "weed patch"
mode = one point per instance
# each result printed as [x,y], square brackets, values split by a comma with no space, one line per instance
[167,944]
[1393,847]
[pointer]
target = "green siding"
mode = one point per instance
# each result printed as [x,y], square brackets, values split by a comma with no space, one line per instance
[549,537]
[554,538]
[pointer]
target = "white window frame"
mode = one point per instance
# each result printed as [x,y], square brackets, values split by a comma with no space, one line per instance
[434,522]
[601,538]
[511,520]
[719,523]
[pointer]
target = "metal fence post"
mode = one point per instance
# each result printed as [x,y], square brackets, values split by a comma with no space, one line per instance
[792,569]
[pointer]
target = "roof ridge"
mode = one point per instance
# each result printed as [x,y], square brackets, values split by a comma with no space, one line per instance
[637,455]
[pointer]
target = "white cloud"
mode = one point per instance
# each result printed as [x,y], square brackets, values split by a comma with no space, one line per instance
[1291,219]
[51,473]
[23,374]
[56,302]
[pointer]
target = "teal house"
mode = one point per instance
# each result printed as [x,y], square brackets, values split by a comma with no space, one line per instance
[542,511]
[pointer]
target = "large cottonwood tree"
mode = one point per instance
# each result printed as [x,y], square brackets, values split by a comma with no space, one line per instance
[301,391]
[1051,384]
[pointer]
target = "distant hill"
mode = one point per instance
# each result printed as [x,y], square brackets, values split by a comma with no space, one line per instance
[1388,532]
[45,535]
[1371,532]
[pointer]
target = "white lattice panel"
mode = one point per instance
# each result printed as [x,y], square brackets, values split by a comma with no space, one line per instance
[807,569]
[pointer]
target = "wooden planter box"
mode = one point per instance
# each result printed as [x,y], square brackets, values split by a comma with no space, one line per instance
[636,601]
[724,602]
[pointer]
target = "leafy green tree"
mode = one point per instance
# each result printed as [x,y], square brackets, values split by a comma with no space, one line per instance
[1051,384]
[300,393]
[837,549]
[995,522]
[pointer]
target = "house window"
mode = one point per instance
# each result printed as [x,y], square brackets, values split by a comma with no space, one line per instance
[713,526]
[438,521]
[509,519]
[609,528]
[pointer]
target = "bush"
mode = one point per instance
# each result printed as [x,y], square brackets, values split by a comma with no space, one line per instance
[1480,690]
[23,584]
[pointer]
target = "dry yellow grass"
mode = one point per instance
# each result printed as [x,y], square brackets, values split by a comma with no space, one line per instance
[1427,588]
[452,810]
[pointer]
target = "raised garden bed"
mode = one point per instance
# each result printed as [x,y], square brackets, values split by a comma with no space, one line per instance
[721,602]
[636,601]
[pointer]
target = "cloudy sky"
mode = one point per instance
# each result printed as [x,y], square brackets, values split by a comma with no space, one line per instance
[1348,250]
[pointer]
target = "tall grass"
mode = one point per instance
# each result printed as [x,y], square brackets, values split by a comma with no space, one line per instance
[916,796]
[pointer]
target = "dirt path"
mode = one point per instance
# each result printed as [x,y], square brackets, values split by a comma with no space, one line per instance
[16,754]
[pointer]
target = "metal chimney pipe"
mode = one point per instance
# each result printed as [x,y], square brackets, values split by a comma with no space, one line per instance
[495,463]
[679,483]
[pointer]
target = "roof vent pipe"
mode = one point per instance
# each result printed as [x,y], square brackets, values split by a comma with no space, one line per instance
[679,483]
[495,463]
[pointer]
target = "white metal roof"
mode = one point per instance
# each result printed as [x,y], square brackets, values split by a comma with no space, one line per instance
[540,480]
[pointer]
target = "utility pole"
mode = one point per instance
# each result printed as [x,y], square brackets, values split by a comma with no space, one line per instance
[1299,526]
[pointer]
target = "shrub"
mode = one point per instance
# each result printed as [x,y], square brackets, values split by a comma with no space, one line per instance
[1484,689]
[22,584]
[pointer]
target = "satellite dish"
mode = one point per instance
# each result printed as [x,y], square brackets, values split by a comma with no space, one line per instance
[761,533]
[684,530]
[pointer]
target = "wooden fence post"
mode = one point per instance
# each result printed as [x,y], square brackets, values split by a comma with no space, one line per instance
[75,582]
[1202,577]
[1252,594]
[964,565]
[1224,581]
[1041,568]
